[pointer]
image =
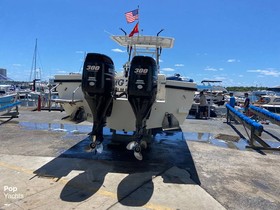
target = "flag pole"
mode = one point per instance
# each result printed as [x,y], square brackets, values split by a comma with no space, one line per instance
[138,19]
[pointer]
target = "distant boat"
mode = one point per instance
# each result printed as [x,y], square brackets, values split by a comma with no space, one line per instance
[270,101]
[8,100]
[7,93]
[6,89]
[215,93]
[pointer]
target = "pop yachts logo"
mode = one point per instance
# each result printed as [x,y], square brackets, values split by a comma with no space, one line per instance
[11,192]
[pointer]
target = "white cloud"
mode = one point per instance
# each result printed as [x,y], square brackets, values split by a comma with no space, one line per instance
[118,50]
[80,52]
[179,65]
[220,78]
[17,65]
[160,60]
[61,72]
[167,69]
[208,68]
[233,60]
[201,54]
[266,72]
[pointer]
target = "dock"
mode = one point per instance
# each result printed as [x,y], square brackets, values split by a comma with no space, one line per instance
[205,166]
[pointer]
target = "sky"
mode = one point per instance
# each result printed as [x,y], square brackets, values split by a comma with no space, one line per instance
[235,41]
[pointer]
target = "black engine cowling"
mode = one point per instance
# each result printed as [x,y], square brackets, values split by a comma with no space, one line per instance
[98,86]
[142,79]
[98,74]
[142,89]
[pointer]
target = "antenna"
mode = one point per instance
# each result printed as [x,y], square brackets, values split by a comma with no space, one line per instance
[160,32]
[123,31]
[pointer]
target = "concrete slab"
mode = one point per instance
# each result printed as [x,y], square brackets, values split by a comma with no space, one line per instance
[94,187]
[176,173]
[238,179]
[183,195]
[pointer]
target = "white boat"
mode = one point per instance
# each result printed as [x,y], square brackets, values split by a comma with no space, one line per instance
[216,96]
[269,101]
[7,94]
[141,100]
[8,101]
[215,93]
[7,98]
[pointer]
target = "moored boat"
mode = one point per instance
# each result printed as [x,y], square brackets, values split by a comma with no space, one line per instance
[270,101]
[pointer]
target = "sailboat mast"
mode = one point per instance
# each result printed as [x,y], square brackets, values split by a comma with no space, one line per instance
[35,60]
[34,64]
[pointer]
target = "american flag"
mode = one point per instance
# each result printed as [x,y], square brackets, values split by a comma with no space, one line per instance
[131,16]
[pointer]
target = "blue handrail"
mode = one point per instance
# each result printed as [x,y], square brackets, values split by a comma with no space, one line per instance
[9,105]
[266,114]
[246,119]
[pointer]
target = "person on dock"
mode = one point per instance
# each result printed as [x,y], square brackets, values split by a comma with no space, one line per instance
[246,104]
[232,100]
[202,105]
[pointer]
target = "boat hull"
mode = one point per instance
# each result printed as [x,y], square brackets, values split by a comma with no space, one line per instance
[174,97]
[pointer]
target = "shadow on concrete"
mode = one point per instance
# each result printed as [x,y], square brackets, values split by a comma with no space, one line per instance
[165,152]
[272,135]
[236,130]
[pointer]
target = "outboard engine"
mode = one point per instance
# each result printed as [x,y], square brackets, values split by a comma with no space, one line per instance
[98,86]
[141,91]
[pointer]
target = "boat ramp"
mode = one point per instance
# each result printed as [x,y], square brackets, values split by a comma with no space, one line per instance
[205,166]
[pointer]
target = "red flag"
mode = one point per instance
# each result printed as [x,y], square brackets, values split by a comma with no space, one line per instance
[131,16]
[134,31]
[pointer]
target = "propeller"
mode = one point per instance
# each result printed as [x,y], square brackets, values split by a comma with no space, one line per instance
[99,147]
[95,146]
[137,152]
[144,144]
[131,145]
[137,147]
